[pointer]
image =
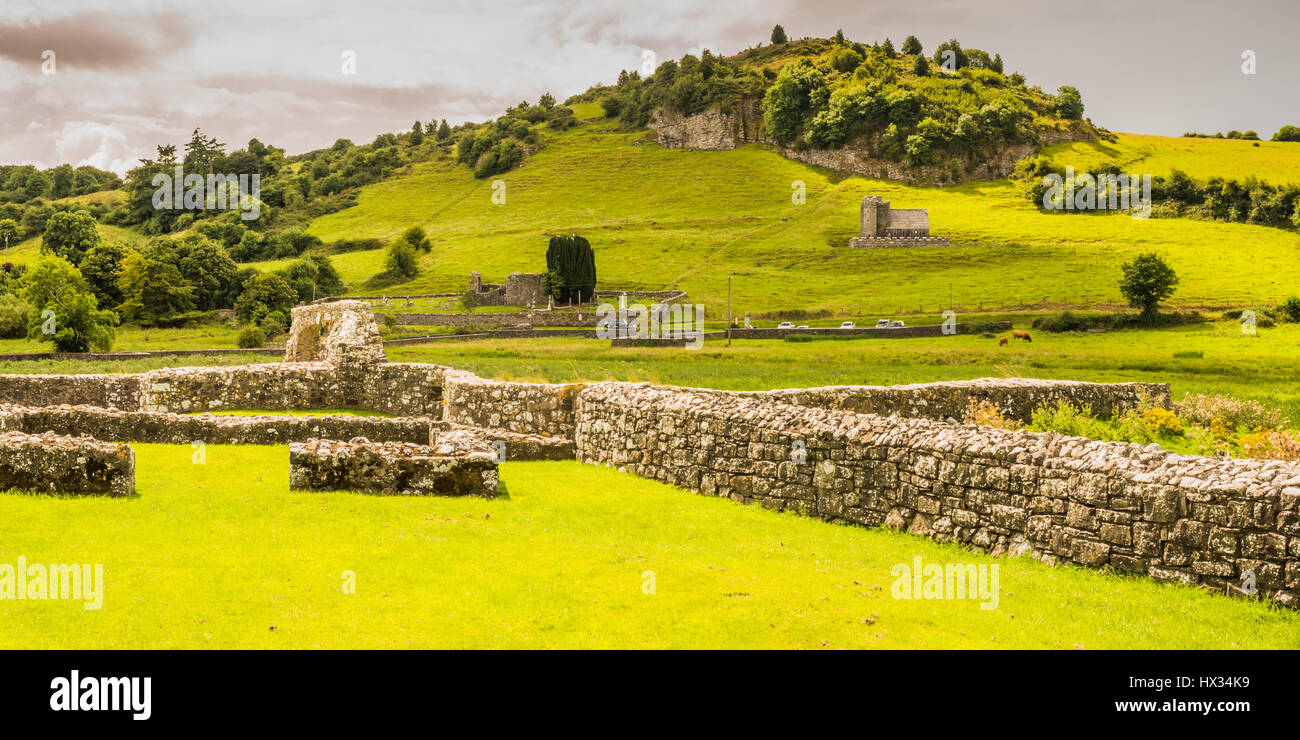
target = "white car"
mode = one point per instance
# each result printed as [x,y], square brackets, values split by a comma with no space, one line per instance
[803,326]
[896,324]
[882,324]
[847,325]
[785,325]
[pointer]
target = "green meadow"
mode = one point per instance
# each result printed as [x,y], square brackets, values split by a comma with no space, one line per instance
[223,555]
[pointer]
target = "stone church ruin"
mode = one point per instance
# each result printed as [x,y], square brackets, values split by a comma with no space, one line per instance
[884,226]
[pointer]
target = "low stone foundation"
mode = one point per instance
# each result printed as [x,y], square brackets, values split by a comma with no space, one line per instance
[508,445]
[887,242]
[458,467]
[48,463]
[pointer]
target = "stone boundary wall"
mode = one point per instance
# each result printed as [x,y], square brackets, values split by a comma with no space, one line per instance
[1131,507]
[48,463]
[165,428]
[393,468]
[888,242]
[494,319]
[140,355]
[97,389]
[898,332]
[1016,397]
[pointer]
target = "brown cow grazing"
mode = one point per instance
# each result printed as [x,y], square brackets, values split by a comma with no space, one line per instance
[1002,342]
[1022,335]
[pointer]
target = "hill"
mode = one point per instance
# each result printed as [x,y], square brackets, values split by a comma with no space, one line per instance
[660,217]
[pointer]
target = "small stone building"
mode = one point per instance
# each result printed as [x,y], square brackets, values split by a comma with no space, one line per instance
[520,289]
[884,226]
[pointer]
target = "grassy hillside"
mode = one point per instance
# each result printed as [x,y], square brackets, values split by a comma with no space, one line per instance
[659,217]
[1274,161]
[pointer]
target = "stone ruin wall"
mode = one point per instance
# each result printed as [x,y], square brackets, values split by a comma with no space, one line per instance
[395,468]
[1130,507]
[49,463]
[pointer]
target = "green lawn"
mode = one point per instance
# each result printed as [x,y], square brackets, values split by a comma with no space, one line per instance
[223,555]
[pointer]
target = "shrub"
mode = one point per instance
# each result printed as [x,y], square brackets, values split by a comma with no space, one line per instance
[986,413]
[272,325]
[1289,310]
[1272,444]
[1199,408]
[402,259]
[251,337]
[13,316]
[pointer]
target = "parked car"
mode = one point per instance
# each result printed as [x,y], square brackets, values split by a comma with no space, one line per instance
[882,324]
[847,325]
[785,325]
[804,326]
[896,325]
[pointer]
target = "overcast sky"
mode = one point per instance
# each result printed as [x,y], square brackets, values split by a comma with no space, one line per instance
[131,75]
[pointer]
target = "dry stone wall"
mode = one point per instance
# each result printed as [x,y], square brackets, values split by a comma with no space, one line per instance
[165,428]
[1016,397]
[469,468]
[528,408]
[48,463]
[1131,507]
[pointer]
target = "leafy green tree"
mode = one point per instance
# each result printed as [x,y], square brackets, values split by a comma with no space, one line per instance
[888,48]
[37,185]
[9,232]
[547,101]
[402,259]
[1287,133]
[444,132]
[64,310]
[1147,280]
[205,265]
[416,237]
[921,67]
[949,55]
[417,134]
[778,35]
[70,235]
[264,294]
[911,45]
[100,267]
[1069,103]
[313,277]
[799,91]
[62,180]
[152,289]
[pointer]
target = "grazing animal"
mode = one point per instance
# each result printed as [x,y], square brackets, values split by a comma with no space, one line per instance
[1022,335]
[1002,342]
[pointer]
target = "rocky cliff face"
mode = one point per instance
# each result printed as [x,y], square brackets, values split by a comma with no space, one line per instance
[717,129]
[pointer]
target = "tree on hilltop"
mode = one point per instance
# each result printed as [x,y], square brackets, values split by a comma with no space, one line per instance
[912,45]
[778,35]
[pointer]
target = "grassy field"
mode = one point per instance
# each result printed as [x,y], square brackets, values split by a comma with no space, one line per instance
[223,555]
[1273,161]
[1263,367]
[659,218]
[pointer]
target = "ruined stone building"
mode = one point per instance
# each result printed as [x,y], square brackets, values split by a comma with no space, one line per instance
[884,226]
